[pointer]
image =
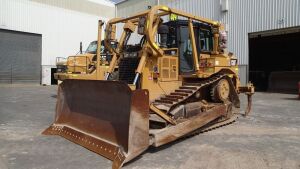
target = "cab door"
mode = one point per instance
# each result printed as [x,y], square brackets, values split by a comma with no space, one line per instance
[186,62]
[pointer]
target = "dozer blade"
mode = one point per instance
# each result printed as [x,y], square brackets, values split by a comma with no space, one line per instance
[105,117]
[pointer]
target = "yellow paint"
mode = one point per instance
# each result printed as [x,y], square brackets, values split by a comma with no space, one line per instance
[159,81]
[147,24]
[132,87]
[165,8]
[157,87]
[155,45]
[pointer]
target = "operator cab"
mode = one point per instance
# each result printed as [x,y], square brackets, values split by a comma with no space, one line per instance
[172,34]
[177,36]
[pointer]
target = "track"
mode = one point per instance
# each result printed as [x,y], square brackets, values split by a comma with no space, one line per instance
[185,92]
[210,127]
[188,93]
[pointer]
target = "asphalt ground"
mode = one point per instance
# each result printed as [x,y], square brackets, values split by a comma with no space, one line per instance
[268,138]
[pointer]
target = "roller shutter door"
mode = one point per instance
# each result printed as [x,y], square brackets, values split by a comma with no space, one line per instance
[20,57]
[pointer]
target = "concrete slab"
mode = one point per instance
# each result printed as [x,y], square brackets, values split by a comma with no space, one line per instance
[269,138]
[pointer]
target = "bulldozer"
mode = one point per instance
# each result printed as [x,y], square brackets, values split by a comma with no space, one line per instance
[90,65]
[177,80]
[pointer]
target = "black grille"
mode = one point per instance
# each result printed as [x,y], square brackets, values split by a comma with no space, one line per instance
[127,67]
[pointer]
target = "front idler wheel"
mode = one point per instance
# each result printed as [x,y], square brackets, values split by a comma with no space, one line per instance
[220,91]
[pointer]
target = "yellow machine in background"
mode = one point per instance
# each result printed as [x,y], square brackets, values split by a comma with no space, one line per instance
[177,81]
[90,65]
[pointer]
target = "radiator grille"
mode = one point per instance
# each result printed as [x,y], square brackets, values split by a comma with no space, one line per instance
[168,67]
[127,67]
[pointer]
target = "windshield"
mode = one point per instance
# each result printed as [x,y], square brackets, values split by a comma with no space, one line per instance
[92,48]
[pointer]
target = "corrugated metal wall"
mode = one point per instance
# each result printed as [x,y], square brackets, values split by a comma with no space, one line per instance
[128,8]
[246,16]
[205,8]
[62,29]
[242,18]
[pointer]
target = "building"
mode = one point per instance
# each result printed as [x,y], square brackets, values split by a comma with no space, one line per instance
[33,33]
[263,34]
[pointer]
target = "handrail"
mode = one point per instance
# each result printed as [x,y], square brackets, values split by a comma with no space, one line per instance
[152,14]
[165,11]
[153,18]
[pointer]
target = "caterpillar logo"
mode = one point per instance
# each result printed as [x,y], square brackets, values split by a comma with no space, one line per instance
[173,17]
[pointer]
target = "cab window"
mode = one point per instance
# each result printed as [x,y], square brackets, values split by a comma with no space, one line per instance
[205,40]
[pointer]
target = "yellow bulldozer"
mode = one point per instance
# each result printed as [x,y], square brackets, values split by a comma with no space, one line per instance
[177,80]
[90,65]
